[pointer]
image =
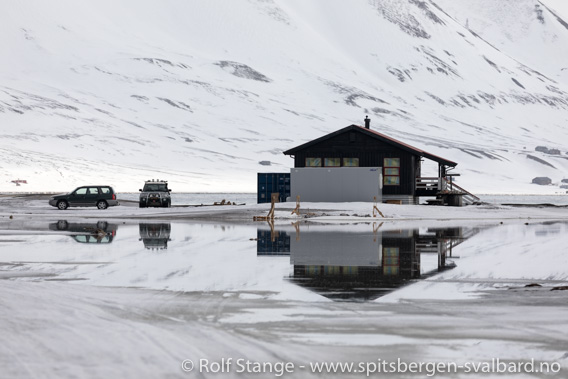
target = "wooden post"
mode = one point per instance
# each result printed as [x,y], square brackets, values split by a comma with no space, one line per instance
[273,201]
[376,209]
[297,209]
[270,215]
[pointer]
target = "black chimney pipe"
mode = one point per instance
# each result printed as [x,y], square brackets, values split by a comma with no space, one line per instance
[367,122]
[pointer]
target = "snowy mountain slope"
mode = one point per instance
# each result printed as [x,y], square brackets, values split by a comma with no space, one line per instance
[526,30]
[560,7]
[200,92]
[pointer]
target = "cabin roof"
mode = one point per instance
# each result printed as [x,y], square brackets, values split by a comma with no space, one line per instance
[377,135]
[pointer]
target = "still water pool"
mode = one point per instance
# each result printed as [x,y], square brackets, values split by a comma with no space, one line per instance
[349,262]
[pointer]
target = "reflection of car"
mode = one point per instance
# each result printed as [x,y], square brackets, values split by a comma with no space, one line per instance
[155,236]
[87,196]
[99,232]
[155,194]
[96,238]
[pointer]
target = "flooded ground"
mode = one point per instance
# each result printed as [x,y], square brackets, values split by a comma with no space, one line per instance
[138,298]
[353,262]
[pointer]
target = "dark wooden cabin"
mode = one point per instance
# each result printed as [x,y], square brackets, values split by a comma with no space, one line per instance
[357,146]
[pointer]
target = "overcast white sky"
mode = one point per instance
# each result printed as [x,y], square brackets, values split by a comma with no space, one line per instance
[559,6]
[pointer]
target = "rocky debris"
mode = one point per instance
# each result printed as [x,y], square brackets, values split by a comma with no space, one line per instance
[542,180]
[224,202]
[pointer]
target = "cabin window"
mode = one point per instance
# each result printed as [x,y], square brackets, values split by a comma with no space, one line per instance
[351,162]
[332,270]
[332,162]
[313,270]
[391,172]
[313,162]
[350,270]
[391,260]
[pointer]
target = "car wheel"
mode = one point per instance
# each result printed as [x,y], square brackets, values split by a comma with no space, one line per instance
[141,205]
[62,204]
[101,204]
[62,225]
[102,225]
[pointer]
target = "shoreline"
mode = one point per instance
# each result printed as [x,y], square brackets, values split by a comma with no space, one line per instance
[35,207]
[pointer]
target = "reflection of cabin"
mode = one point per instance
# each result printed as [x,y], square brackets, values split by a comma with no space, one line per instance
[364,265]
[355,265]
[400,163]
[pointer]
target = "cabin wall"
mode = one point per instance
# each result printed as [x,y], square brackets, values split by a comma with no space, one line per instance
[371,153]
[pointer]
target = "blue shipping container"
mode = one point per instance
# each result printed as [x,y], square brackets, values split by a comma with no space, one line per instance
[269,183]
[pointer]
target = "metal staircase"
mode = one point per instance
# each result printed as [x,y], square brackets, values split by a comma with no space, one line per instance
[440,187]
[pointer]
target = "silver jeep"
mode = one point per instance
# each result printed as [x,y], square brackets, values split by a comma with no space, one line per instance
[155,194]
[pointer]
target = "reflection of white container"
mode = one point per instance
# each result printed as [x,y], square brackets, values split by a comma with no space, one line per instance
[336,184]
[320,248]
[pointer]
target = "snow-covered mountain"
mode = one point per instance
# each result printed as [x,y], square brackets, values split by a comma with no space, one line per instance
[199,92]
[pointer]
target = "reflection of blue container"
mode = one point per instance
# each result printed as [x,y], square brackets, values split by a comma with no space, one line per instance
[272,243]
[269,183]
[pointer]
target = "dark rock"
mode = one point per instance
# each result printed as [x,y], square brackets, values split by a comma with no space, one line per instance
[243,71]
[542,161]
[542,180]
[518,83]
[546,150]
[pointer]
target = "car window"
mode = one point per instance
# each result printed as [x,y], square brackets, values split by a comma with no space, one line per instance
[155,187]
[81,191]
[105,190]
[93,191]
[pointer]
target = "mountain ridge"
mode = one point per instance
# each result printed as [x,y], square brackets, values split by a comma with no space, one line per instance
[200,93]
